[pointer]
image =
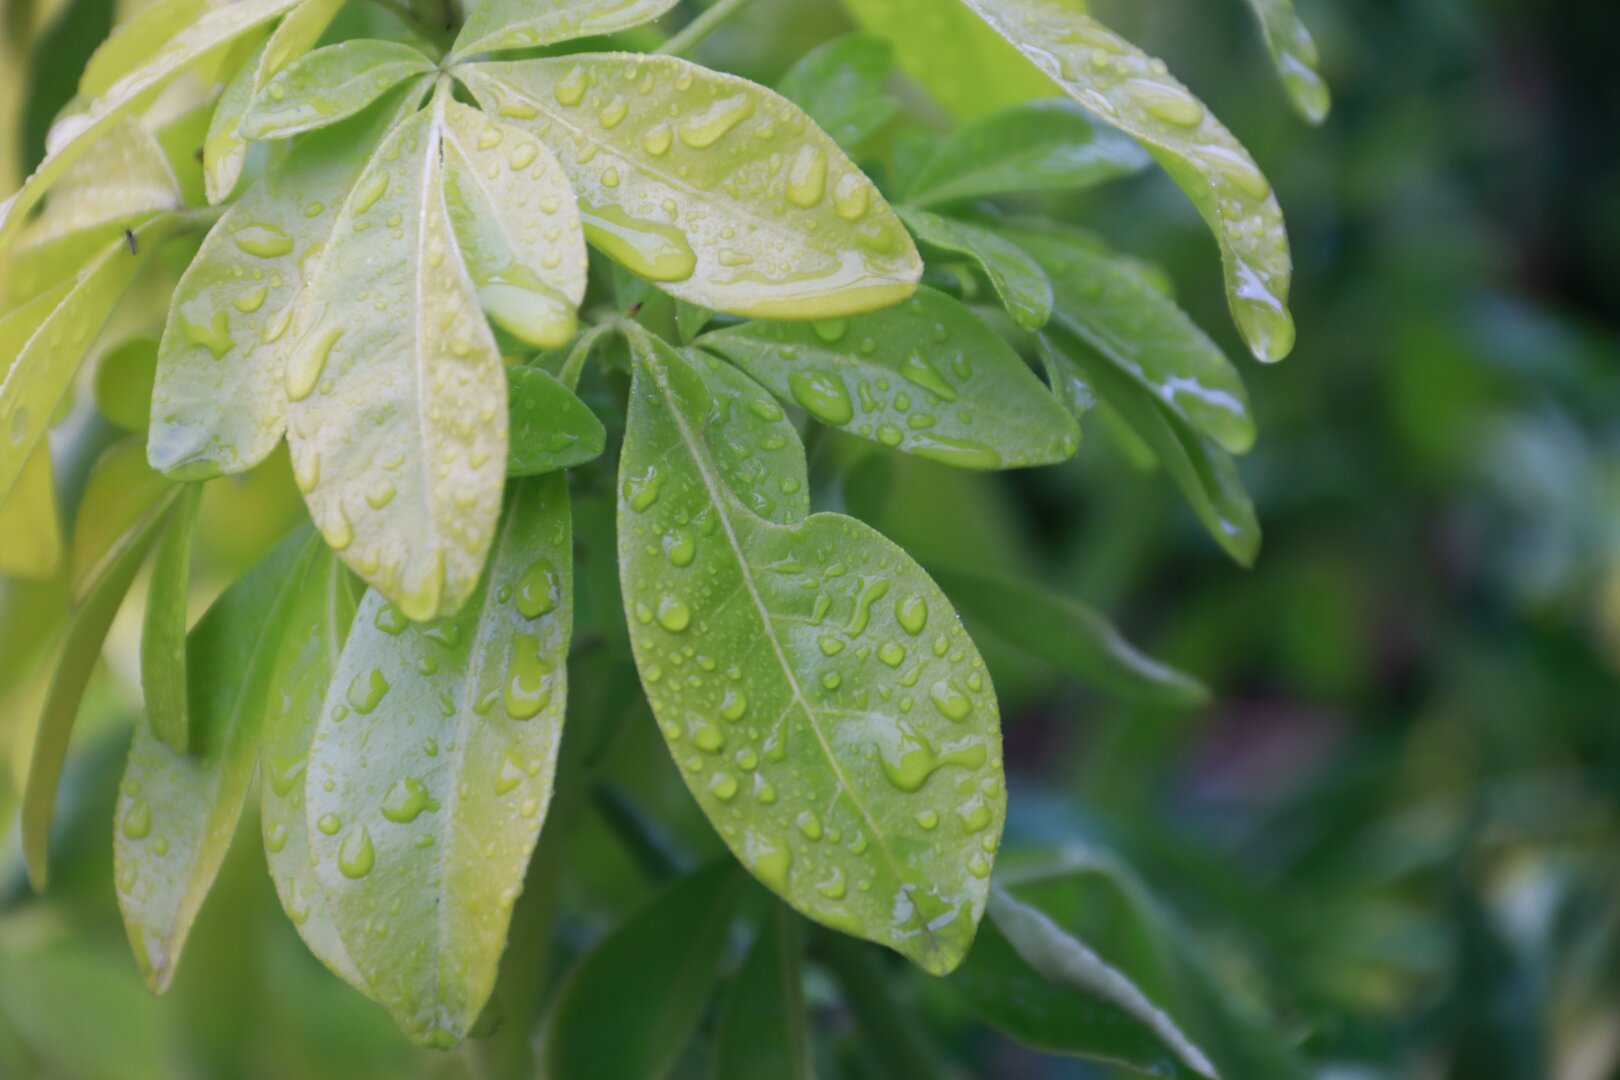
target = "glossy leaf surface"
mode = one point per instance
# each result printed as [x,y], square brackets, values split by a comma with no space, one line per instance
[431,770]
[1294,51]
[840,86]
[329,85]
[397,419]
[551,429]
[1125,87]
[816,688]
[495,25]
[163,633]
[1023,286]
[927,377]
[754,445]
[177,811]
[719,190]
[763,1033]
[518,227]
[1046,145]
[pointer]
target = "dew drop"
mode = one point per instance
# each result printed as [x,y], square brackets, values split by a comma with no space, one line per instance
[137,819]
[912,614]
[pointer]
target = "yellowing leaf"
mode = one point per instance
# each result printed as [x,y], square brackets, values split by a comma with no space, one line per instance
[494,25]
[397,416]
[721,191]
[1124,87]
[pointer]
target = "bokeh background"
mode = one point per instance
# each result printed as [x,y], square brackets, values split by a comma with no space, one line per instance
[1393,835]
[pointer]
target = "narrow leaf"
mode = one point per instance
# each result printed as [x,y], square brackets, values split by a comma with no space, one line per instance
[927,377]
[721,191]
[839,85]
[1023,286]
[177,811]
[496,25]
[1294,51]
[762,1033]
[219,405]
[551,429]
[29,522]
[1124,87]
[120,493]
[329,85]
[518,227]
[1047,145]
[133,41]
[163,635]
[839,730]
[431,769]
[651,977]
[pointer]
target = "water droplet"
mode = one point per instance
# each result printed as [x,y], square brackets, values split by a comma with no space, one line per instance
[656,251]
[928,819]
[356,856]
[851,195]
[706,128]
[951,702]
[912,613]
[809,825]
[539,590]
[823,395]
[920,372]
[807,177]
[304,366]
[366,691]
[263,241]
[276,838]
[892,653]
[768,860]
[251,301]
[510,774]
[138,819]
[733,705]
[673,614]
[658,140]
[372,189]
[723,786]
[679,547]
[329,824]
[1166,102]
[407,800]
[570,88]
[528,688]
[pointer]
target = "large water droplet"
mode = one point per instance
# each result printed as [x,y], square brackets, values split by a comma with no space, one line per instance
[706,128]
[356,856]
[539,590]
[366,690]
[528,685]
[656,251]
[407,800]
[823,395]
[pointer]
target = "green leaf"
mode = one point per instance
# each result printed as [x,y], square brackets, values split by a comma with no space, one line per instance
[431,769]
[329,85]
[219,405]
[839,84]
[1296,57]
[927,377]
[518,226]
[495,25]
[826,709]
[28,521]
[939,44]
[100,594]
[754,445]
[1043,986]
[132,42]
[163,635]
[177,811]
[1128,89]
[320,611]
[1203,471]
[651,977]
[123,383]
[1108,304]
[397,419]
[75,134]
[721,191]
[762,1033]
[551,428]
[46,340]
[1023,286]
[690,319]
[1047,145]
[1066,634]
[119,495]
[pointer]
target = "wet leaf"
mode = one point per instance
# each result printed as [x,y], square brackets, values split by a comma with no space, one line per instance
[219,405]
[1124,87]
[28,521]
[518,227]
[320,611]
[163,634]
[720,191]
[840,86]
[1047,145]
[494,25]
[551,429]
[755,447]
[815,687]
[74,134]
[397,416]
[329,85]
[1294,51]
[134,40]
[652,975]
[763,1033]
[177,811]
[1113,308]
[1024,289]
[927,377]
[431,770]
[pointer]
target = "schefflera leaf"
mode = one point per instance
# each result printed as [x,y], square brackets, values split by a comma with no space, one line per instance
[177,811]
[218,405]
[397,415]
[431,769]
[816,689]
[518,226]
[1294,51]
[551,428]
[928,377]
[1124,87]
[723,192]
[496,25]
[1023,286]
[329,85]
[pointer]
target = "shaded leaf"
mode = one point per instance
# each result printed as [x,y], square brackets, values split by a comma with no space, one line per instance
[123,383]
[431,770]
[927,377]
[839,84]
[494,25]
[763,1031]
[163,634]
[1023,286]
[1128,89]
[120,494]
[551,429]
[1294,51]
[719,190]
[845,743]
[29,522]
[329,85]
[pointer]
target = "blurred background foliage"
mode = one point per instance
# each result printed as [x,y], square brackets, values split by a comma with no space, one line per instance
[1392,836]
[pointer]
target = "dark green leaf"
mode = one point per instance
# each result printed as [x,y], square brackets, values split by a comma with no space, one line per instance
[1023,286]
[763,1033]
[551,429]
[840,85]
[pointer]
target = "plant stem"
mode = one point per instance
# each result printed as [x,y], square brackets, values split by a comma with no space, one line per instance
[701,27]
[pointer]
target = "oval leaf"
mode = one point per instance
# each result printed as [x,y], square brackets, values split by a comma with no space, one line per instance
[721,191]
[1023,286]
[431,769]
[329,85]
[840,730]
[495,25]
[927,377]
[754,445]
[163,634]
[551,428]
[1123,86]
